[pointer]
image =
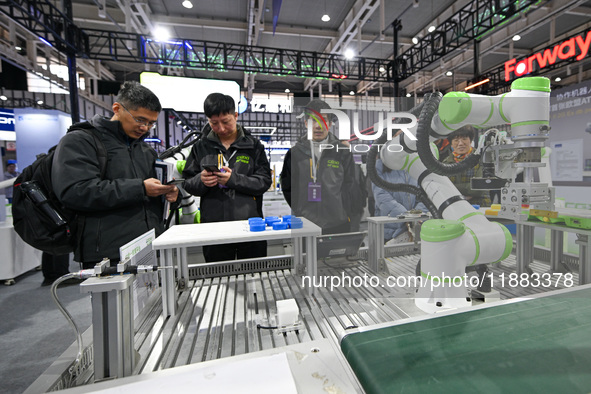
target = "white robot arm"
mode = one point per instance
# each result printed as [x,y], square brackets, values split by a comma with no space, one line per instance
[190,204]
[464,236]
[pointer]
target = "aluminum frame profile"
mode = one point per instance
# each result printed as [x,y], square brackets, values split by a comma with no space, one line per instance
[47,22]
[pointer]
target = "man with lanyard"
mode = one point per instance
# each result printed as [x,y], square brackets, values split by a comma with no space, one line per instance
[228,168]
[318,175]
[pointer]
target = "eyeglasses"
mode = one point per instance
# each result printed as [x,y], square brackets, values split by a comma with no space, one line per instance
[149,125]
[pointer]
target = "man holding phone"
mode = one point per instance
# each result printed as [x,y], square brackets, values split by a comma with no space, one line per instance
[228,168]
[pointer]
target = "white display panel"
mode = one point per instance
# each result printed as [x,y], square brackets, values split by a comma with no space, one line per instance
[187,94]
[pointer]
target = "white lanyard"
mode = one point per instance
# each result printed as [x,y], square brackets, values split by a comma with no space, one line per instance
[312,162]
[227,162]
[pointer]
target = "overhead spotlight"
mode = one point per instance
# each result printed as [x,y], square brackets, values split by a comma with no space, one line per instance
[102,8]
[325,18]
[516,37]
[449,73]
[557,79]
[179,121]
[18,48]
[431,29]
[3,98]
[415,40]
[187,4]
[287,90]
[352,93]
[408,95]
[349,53]
[40,102]
[161,34]
[382,69]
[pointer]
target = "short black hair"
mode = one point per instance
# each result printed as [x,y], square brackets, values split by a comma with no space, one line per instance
[317,105]
[465,131]
[218,104]
[133,95]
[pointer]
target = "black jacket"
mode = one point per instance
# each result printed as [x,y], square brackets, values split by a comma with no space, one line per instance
[335,174]
[116,208]
[251,177]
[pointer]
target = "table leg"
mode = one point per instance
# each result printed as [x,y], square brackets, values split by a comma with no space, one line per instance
[584,242]
[375,253]
[556,248]
[168,288]
[525,248]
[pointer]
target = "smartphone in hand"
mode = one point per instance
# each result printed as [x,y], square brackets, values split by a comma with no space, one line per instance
[211,168]
[174,181]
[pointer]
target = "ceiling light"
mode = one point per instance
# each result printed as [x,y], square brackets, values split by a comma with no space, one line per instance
[352,93]
[18,48]
[287,90]
[187,4]
[477,84]
[408,95]
[449,73]
[349,53]
[516,37]
[325,18]
[415,40]
[415,3]
[3,98]
[161,34]
[557,79]
[431,29]
[40,102]
[382,69]
[179,122]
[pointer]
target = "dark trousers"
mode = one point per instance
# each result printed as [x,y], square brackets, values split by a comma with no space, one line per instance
[241,250]
[54,267]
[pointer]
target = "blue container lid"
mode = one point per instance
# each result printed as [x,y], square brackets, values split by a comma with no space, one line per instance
[256,220]
[287,218]
[476,206]
[279,226]
[296,223]
[258,226]
[271,219]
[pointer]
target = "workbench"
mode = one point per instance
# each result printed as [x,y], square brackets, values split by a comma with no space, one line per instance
[180,238]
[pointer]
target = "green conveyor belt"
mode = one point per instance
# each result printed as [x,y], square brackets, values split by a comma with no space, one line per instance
[541,345]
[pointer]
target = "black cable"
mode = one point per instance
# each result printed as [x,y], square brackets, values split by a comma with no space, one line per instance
[175,149]
[397,187]
[266,327]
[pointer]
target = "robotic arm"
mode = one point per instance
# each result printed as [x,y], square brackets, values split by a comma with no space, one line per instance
[464,236]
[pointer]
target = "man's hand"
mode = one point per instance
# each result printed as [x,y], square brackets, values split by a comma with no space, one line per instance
[173,195]
[208,178]
[224,176]
[155,188]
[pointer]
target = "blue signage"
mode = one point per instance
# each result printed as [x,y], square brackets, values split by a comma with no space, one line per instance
[6,119]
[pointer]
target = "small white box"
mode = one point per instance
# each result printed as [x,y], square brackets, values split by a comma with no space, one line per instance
[287,312]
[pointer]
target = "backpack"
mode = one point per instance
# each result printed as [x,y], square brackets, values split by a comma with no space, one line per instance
[38,216]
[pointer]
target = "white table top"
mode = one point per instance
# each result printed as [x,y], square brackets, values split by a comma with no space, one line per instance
[186,235]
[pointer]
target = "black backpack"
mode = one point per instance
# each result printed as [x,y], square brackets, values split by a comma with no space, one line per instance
[38,216]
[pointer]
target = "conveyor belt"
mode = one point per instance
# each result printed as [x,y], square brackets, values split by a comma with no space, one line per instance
[539,345]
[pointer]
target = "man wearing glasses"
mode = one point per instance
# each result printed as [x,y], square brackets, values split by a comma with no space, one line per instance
[461,146]
[126,201]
